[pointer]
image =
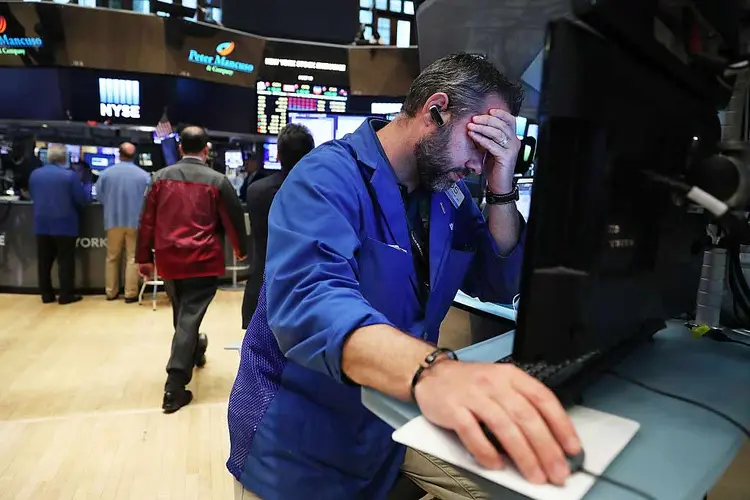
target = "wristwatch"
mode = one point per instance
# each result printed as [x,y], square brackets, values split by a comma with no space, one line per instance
[502,199]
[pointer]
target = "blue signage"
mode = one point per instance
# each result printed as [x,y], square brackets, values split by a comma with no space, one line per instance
[16,46]
[219,63]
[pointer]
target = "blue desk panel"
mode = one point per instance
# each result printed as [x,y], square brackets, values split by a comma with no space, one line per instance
[681,450]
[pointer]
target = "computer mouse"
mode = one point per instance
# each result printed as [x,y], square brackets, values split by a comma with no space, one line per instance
[575,462]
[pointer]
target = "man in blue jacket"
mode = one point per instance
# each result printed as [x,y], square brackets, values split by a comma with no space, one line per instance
[369,239]
[58,195]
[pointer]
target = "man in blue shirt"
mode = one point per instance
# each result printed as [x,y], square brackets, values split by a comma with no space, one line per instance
[58,195]
[120,190]
[369,239]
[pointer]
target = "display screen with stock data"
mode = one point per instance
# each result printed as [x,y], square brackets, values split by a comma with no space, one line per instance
[276,100]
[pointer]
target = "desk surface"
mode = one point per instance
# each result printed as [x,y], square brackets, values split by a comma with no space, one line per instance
[681,450]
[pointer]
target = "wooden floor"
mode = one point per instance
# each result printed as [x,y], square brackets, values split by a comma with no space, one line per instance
[80,396]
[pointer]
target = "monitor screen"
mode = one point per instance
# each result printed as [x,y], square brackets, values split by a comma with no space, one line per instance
[325,127]
[386,108]
[322,127]
[270,157]
[98,161]
[347,125]
[521,126]
[276,99]
[533,131]
[524,197]
[233,159]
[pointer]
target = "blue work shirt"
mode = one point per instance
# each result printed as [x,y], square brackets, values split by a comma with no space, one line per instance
[339,258]
[120,190]
[58,194]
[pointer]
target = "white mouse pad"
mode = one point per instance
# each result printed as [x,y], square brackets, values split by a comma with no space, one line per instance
[603,436]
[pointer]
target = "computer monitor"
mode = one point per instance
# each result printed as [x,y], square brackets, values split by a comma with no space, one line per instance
[321,126]
[608,255]
[524,197]
[98,161]
[521,126]
[233,159]
[326,127]
[270,156]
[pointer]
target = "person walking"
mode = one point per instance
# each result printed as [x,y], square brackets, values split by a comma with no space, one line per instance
[196,207]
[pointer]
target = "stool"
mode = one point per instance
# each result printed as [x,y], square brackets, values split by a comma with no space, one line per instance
[234,287]
[155,282]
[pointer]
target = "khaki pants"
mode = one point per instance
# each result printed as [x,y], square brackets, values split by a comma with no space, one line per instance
[439,479]
[117,238]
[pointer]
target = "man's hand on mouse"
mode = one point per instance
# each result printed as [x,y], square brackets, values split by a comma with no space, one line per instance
[495,132]
[521,412]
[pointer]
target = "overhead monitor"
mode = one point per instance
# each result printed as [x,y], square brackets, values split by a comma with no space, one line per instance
[276,100]
[270,156]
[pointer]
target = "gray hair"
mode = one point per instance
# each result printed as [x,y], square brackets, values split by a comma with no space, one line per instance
[467,79]
[57,154]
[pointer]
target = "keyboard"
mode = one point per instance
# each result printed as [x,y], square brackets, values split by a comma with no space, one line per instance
[553,374]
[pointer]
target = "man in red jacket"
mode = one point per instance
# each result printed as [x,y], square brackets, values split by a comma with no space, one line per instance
[196,206]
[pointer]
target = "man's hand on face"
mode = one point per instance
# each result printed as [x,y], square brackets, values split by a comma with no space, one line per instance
[522,413]
[496,133]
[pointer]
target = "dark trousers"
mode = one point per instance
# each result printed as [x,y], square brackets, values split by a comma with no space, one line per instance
[61,248]
[190,300]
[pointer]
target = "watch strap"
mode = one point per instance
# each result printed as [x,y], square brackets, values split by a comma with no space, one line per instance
[502,199]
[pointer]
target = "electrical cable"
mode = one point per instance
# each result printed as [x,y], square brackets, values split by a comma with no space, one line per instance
[703,406]
[620,485]
[719,336]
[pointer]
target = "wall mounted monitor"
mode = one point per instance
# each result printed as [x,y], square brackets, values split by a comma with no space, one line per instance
[276,100]
[316,64]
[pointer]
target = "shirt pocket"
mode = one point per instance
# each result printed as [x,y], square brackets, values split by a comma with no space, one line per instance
[385,275]
[450,280]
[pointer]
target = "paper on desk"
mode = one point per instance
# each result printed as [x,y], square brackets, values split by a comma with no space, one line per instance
[603,436]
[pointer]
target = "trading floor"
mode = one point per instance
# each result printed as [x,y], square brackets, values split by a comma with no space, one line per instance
[80,414]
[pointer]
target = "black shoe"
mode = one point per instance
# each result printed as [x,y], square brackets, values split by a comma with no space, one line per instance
[48,299]
[200,350]
[173,401]
[69,300]
[110,299]
[131,300]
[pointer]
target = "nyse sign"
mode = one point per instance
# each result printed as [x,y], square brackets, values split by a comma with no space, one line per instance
[119,111]
[119,98]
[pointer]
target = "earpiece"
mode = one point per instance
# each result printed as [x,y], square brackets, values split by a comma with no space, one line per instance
[435,113]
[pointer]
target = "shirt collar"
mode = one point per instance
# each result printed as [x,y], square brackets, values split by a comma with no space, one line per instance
[191,157]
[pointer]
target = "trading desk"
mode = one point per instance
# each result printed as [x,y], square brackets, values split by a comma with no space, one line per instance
[18,259]
[681,450]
